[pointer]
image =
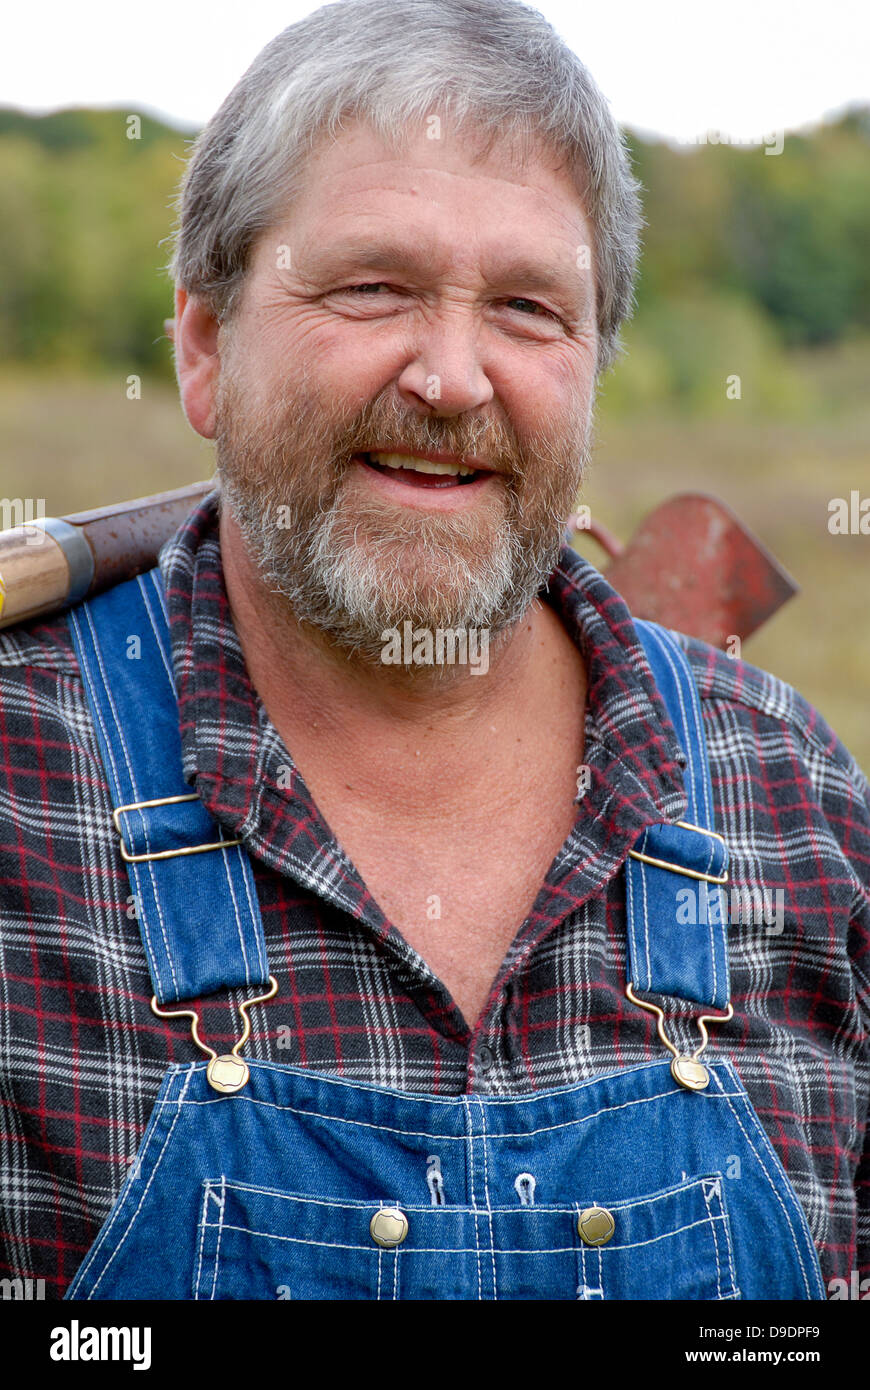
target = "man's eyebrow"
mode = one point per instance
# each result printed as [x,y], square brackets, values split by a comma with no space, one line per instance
[369,255]
[569,284]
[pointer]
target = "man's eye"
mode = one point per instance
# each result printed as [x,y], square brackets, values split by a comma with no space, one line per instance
[532,304]
[364,289]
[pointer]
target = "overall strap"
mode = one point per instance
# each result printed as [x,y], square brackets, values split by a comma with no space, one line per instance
[676,908]
[196,903]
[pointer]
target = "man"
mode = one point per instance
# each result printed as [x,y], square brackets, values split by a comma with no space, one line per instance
[405,248]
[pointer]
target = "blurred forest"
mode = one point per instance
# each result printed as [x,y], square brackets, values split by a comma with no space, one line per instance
[755,266]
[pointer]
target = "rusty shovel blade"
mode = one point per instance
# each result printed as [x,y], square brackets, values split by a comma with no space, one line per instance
[693,565]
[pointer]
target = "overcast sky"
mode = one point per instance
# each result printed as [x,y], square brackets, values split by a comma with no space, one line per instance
[679,68]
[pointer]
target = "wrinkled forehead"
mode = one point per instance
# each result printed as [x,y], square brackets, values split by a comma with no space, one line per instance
[466,147]
[513,187]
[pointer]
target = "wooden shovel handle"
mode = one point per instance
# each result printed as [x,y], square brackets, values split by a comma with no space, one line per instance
[54,561]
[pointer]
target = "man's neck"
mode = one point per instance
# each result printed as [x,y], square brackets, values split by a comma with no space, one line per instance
[395,732]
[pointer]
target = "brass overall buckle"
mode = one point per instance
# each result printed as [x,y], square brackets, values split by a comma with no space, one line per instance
[228,1073]
[686,1071]
[678,868]
[163,853]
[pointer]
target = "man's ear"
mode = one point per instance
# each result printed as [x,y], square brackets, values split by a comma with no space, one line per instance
[197,362]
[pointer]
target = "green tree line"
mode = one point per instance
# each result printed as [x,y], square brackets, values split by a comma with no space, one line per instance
[742,248]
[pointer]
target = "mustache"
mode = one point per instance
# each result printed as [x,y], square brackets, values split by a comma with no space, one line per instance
[335,432]
[389,424]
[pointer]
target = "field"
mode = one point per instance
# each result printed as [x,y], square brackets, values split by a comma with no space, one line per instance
[78,442]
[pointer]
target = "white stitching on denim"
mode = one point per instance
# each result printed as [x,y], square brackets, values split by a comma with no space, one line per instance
[679,673]
[641,871]
[446,1252]
[394,1252]
[220,1236]
[664,1235]
[197,1273]
[147,1185]
[644,877]
[314,1201]
[707,1194]
[164,656]
[122,1200]
[677,1190]
[726,1236]
[224,854]
[774,1189]
[467,1109]
[644,899]
[157,581]
[698,773]
[240,930]
[586,1291]
[599,1288]
[253,906]
[133,783]
[244,1098]
[486,1195]
[107,692]
[454,1210]
[357,1206]
[635,952]
[751,1116]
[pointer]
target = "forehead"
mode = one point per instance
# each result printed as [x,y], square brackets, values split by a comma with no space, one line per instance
[456,186]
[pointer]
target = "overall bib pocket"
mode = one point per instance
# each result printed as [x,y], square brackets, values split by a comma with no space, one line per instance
[262,1243]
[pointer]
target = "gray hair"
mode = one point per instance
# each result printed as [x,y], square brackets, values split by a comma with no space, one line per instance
[496,66]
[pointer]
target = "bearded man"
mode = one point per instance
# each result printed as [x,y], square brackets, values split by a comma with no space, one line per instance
[406,245]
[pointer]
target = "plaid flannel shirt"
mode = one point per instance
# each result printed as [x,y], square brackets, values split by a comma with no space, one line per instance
[82,1056]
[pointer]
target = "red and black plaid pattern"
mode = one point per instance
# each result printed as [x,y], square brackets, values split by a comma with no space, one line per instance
[82,1056]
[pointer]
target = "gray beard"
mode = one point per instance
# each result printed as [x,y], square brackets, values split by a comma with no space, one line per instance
[353,572]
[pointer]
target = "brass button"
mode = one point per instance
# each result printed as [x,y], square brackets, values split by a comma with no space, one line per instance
[227,1074]
[690,1074]
[595,1226]
[389,1226]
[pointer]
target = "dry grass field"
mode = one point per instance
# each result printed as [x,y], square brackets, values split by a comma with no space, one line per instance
[78,442]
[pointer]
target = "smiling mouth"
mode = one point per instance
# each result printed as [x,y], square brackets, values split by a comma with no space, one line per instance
[420,472]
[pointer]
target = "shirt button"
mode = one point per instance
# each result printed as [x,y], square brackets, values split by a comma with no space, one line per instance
[595,1226]
[389,1226]
[484,1057]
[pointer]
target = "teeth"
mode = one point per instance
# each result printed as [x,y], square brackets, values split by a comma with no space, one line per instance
[421,465]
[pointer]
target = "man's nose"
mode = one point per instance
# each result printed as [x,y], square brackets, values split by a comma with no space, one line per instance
[444,368]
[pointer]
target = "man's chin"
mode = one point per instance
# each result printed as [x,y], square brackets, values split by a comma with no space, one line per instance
[364,592]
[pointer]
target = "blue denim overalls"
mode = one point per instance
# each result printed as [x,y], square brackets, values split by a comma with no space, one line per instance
[260,1180]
